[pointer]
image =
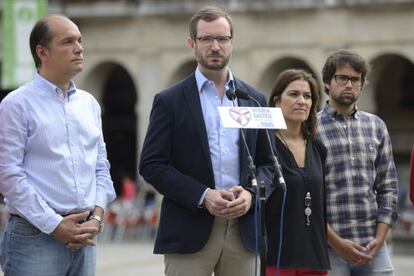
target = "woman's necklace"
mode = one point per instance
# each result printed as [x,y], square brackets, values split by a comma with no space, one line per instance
[308,210]
[308,198]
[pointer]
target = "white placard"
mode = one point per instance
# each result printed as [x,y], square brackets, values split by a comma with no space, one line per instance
[252,117]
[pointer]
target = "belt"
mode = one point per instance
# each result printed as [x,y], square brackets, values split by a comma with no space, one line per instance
[19,216]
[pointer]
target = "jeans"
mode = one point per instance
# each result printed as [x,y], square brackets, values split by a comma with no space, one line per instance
[380,266]
[27,251]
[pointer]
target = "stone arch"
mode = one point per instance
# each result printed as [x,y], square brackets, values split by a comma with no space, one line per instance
[183,71]
[117,93]
[392,80]
[392,88]
[392,93]
[270,74]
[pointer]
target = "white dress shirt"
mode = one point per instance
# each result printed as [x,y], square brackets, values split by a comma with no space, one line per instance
[52,154]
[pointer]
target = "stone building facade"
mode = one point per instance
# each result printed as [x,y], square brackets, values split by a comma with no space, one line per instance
[136,48]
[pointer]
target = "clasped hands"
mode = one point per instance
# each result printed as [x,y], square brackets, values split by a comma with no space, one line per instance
[228,204]
[75,231]
[357,254]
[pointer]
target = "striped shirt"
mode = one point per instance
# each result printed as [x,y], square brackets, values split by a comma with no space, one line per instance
[52,154]
[361,179]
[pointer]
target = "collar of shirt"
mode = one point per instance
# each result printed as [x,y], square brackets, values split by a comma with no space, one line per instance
[335,114]
[49,86]
[202,81]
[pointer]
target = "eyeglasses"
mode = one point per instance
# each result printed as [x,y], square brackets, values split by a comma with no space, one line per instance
[343,80]
[209,40]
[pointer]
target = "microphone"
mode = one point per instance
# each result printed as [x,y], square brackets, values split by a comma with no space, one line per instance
[278,176]
[245,96]
[231,95]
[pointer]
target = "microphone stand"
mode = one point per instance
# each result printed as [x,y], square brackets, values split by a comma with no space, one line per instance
[277,179]
[278,176]
[231,95]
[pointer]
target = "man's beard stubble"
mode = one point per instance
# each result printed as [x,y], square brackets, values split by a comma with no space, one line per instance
[213,66]
[345,101]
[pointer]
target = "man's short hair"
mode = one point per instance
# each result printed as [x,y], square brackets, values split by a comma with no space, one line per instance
[341,58]
[208,14]
[40,35]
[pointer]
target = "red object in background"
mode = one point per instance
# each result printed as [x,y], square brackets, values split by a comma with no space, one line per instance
[129,190]
[412,177]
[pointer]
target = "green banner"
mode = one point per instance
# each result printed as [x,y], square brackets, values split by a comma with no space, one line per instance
[19,17]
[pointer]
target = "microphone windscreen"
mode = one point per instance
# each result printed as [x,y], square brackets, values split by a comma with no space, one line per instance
[230,94]
[242,95]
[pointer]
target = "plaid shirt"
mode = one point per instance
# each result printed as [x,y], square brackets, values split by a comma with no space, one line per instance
[361,180]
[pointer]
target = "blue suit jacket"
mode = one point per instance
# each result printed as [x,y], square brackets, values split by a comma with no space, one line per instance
[175,159]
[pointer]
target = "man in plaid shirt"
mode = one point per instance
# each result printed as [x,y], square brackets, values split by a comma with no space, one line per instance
[361,180]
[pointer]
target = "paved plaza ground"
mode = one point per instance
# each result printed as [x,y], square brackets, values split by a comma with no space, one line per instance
[128,259]
[136,258]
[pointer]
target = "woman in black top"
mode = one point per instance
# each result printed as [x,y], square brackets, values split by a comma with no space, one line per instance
[304,241]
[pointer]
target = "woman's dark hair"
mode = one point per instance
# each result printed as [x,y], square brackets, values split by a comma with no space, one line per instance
[288,76]
[341,58]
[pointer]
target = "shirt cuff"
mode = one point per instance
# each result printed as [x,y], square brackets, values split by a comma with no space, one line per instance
[201,201]
[388,217]
[48,224]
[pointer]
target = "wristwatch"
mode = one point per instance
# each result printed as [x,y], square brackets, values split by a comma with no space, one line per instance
[100,220]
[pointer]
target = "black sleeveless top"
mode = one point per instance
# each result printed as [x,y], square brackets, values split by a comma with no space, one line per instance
[303,246]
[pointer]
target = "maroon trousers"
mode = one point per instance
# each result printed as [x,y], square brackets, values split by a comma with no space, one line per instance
[271,271]
[412,177]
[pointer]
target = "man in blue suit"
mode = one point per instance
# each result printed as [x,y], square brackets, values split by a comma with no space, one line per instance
[201,168]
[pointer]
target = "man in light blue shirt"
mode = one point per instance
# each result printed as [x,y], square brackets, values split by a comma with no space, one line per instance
[223,142]
[54,173]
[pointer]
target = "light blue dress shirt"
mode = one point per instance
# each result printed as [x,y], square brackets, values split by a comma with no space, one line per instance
[223,142]
[52,154]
